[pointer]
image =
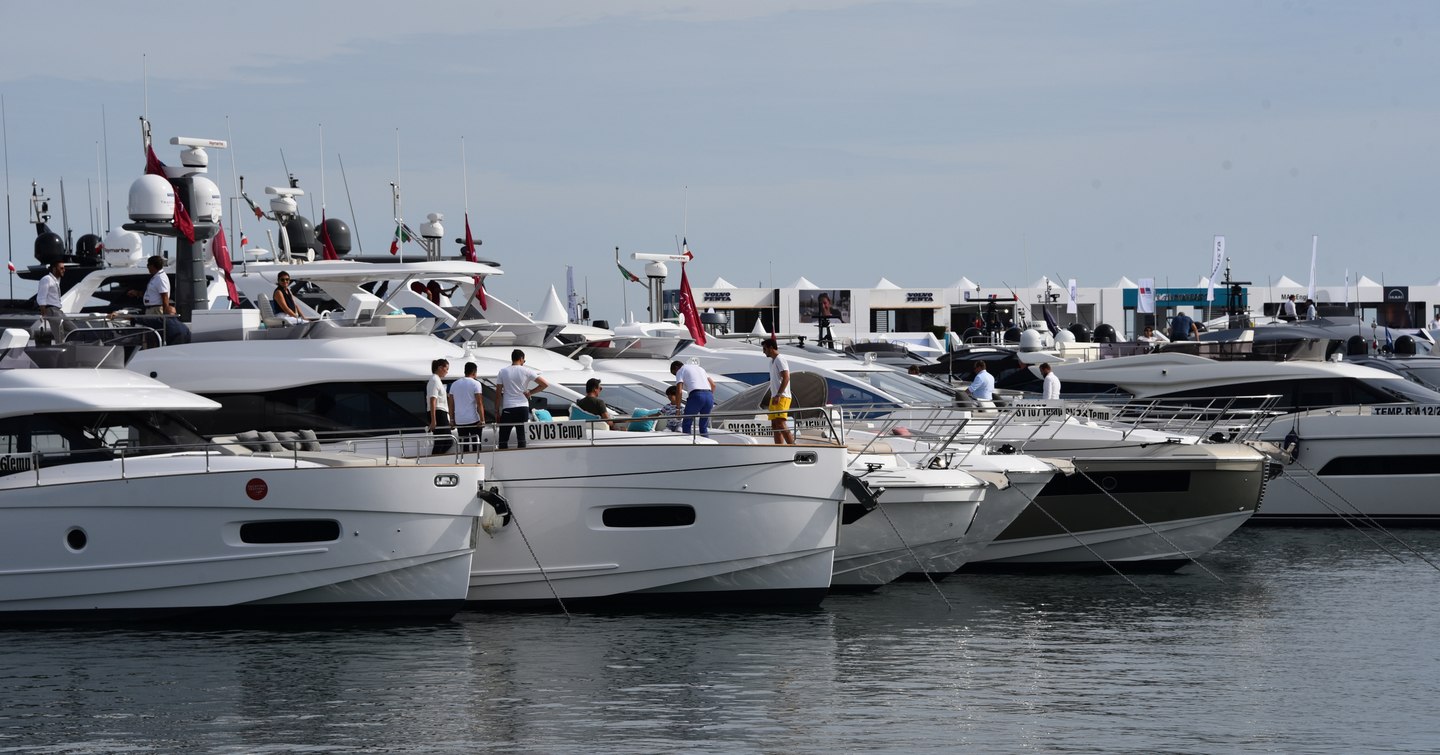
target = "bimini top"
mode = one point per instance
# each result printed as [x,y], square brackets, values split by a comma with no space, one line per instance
[54,391]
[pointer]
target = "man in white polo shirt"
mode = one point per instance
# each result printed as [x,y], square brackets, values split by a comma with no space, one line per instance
[699,390]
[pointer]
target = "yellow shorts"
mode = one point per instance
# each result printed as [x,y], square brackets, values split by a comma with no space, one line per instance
[778,407]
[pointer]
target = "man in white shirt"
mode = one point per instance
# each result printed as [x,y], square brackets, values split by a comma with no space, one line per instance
[1051,384]
[1152,337]
[439,405]
[982,386]
[779,393]
[47,297]
[157,292]
[1287,308]
[466,395]
[699,391]
[514,397]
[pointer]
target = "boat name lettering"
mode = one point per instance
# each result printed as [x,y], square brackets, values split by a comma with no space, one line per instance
[1094,412]
[717,296]
[555,431]
[16,463]
[765,429]
[1426,410]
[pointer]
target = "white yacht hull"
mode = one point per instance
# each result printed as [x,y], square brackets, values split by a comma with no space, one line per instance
[162,537]
[709,523]
[1357,462]
[922,517]
[999,509]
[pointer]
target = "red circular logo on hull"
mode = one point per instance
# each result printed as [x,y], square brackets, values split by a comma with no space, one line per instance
[256,489]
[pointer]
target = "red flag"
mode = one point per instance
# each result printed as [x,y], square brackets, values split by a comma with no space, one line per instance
[469,250]
[687,308]
[328,247]
[11,265]
[222,261]
[480,293]
[154,167]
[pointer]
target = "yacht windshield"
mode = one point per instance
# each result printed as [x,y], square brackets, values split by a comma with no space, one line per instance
[903,387]
[627,397]
[95,436]
[1408,392]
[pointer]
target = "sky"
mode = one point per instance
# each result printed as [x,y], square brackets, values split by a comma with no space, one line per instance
[839,140]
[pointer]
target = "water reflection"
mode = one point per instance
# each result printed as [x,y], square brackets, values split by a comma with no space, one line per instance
[1308,641]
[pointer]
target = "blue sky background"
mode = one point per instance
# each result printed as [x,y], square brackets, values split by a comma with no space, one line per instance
[839,140]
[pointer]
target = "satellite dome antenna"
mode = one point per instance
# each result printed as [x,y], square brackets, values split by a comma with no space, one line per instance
[283,209]
[175,187]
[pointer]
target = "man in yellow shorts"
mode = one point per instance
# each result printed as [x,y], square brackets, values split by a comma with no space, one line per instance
[779,392]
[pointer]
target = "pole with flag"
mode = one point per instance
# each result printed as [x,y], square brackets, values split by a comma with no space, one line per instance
[624,292]
[1217,258]
[223,262]
[327,247]
[154,167]
[400,237]
[689,310]
[468,250]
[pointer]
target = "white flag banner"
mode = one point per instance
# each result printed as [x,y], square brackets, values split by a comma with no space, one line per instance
[1071,307]
[1347,287]
[1215,266]
[1145,304]
[1314,245]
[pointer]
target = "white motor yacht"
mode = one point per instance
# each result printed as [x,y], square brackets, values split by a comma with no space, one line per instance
[1362,441]
[1143,502]
[599,515]
[116,510]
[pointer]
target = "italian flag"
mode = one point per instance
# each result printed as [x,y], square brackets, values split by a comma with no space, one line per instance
[400,237]
[626,274]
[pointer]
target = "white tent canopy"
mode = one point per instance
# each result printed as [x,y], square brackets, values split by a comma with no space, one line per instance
[552,312]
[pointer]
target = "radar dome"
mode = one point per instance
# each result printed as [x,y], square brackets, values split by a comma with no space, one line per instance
[124,248]
[1012,335]
[1064,336]
[339,232]
[1405,345]
[1030,340]
[151,198]
[301,233]
[1104,333]
[205,198]
[49,248]
[87,249]
[1081,333]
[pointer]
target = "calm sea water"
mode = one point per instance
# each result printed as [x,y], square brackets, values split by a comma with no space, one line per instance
[1309,641]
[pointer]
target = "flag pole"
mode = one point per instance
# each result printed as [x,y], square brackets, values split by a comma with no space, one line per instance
[624,294]
[395,188]
[9,240]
